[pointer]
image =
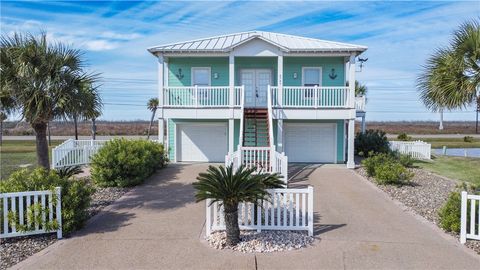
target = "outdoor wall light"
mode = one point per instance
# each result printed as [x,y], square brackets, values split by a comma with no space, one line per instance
[179,75]
[295,75]
[215,75]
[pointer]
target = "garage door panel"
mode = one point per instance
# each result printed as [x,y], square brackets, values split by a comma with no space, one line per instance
[201,142]
[310,142]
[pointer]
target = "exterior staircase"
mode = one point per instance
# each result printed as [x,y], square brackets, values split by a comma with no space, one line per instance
[256,128]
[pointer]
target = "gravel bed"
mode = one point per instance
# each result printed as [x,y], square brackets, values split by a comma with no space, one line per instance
[263,242]
[426,194]
[17,249]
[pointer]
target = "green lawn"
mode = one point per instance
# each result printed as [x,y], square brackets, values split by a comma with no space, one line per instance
[451,142]
[15,155]
[459,168]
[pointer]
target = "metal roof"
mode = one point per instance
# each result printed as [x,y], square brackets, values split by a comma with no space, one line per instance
[287,43]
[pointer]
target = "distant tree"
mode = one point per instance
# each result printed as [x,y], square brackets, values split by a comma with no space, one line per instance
[38,79]
[152,105]
[3,117]
[451,76]
[360,89]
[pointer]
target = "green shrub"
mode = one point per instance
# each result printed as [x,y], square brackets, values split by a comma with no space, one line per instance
[123,162]
[373,161]
[468,139]
[372,141]
[450,213]
[76,193]
[392,172]
[403,137]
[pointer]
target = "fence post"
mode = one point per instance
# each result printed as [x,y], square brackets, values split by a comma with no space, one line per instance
[463,218]
[58,191]
[259,216]
[310,211]
[208,222]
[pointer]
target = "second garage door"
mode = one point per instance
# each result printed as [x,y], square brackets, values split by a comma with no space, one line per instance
[312,142]
[201,142]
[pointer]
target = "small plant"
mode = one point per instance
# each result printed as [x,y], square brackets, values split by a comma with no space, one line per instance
[122,162]
[373,161]
[372,141]
[403,137]
[69,171]
[468,139]
[450,212]
[392,173]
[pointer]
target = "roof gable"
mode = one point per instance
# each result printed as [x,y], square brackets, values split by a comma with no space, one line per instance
[286,43]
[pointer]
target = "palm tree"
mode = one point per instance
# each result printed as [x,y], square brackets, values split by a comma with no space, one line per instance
[152,105]
[38,79]
[3,117]
[360,89]
[451,76]
[231,188]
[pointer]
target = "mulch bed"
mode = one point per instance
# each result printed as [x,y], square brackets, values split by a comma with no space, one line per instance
[17,249]
[426,194]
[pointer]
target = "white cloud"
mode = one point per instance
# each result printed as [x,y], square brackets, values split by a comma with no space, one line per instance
[114,35]
[99,45]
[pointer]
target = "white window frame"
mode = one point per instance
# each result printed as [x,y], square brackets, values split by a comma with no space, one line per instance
[319,71]
[192,75]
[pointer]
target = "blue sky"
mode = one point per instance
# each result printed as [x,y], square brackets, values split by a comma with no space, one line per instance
[115,35]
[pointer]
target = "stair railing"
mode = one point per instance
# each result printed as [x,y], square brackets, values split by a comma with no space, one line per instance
[270,126]
[242,106]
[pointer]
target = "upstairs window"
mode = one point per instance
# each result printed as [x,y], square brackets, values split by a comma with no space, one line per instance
[311,76]
[201,76]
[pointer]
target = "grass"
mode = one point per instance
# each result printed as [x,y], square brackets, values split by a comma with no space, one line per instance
[459,168]
[15,155]
[451,142]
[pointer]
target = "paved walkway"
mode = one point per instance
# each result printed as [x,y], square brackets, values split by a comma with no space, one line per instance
[158,225]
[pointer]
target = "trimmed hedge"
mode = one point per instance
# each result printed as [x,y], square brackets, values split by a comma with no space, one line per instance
[76,193]
[388,168]
[122,162]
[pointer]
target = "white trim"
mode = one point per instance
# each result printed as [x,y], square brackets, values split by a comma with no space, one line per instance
[192,72]
[255,70]
[175,141]
[315,67]
[336,142]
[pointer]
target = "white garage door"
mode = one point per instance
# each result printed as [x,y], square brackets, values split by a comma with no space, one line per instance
[201,142]
[313,142]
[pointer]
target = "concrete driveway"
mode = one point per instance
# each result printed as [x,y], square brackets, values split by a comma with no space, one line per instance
[159,226]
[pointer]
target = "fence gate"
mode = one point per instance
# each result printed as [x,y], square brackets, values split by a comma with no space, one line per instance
[470,217]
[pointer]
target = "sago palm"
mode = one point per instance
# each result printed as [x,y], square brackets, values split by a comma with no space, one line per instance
[451,76]
[230,188]
[152,105]
[38,80]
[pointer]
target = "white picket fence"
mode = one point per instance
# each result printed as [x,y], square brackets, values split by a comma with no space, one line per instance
[416,149]
[75,152]
[470,221]
[20,207]
[288,209]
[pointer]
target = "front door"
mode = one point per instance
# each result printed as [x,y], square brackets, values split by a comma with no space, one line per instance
[256,83]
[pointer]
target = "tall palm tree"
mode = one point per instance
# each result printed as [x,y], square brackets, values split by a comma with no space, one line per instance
[152,105]
[3,117]
[451,76]
[38,79]
[360,89]
[230,188]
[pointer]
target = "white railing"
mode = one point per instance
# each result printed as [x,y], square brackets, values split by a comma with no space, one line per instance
[31,212]
[201,96]
[287,209]
[75,152]
[265,159]
[311,97]
[416,149]
[270,116]
[470,217]
[360,103]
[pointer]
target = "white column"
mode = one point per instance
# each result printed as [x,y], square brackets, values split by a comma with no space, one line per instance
[231,78]
[231,137]
[161,131]
[161,78]
[351,146]
[363,123]
[351,80]
[280,135]
[280,79]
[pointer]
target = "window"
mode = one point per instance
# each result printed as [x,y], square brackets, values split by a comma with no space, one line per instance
[312,76]
[201,76]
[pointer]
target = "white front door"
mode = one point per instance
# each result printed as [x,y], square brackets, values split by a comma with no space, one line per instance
[201,142]
[256,83]
[310,142]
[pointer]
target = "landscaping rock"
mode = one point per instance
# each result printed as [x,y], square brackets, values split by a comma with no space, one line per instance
[425,195]
[17,249]
[263,242]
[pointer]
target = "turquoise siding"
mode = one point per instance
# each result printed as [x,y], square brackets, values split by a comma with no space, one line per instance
[216,64]
[340,134]
[295,64]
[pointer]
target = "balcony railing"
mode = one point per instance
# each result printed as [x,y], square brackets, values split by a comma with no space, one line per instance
[201,96]
[311,97]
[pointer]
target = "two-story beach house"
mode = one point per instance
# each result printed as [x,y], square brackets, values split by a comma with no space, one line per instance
[258,98]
